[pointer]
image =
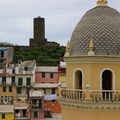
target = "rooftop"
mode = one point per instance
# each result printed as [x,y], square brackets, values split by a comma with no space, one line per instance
[47,69]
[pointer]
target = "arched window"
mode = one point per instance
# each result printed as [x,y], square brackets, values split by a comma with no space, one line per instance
[78,80]
[107,80]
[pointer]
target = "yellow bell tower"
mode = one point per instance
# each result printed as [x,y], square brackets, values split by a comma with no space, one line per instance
[93,67]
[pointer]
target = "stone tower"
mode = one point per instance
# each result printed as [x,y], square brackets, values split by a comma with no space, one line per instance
[39,32]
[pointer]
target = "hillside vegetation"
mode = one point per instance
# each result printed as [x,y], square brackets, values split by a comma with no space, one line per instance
[44,55]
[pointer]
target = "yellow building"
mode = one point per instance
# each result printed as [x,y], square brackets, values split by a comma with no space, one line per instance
[6,112]
[93,67]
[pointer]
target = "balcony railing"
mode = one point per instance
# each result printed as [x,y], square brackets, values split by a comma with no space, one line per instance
[91,95]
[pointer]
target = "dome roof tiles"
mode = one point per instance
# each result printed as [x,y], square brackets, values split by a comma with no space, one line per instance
[102,23]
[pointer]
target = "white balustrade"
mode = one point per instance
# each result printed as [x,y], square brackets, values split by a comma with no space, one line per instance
[94,95]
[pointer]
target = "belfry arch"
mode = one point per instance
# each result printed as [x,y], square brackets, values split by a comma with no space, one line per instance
[107,80]
[78,80]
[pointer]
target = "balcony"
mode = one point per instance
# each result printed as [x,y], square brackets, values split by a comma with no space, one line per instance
[90,99]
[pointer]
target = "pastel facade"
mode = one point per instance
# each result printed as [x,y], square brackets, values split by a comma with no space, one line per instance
[6,56]
[7,87]
[47,74]
[6,112]
[47,79]
[21,110]
[37,106]
[93,67]
[25,78]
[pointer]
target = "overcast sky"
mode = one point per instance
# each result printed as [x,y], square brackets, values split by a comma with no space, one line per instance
[61,17]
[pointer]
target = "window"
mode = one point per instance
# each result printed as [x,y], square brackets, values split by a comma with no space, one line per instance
[34,102]
[53,90]
[1,100]
[26,68]
[40,104]
[10,99]
[13,80]
[1,61]
[28,81]
[27,90]
[51,75]
[4,88]
[19,90]
[13,71]
[20,81]
[3,116]
[24,113]
[35,114]
[2,53]
[10,88]
[4,80]
[48,114]
[43,75]
[44,90]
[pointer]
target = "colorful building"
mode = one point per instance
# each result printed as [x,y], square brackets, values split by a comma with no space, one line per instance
[6,112]
[6,56]
[25,78]
[52,109]
[21,110]
[93,67]
[7,87]
[37,105]
[46,78]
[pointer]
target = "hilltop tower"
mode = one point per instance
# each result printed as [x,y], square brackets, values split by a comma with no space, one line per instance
[39,32]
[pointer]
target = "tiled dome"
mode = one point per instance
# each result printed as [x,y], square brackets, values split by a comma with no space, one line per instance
[102,24]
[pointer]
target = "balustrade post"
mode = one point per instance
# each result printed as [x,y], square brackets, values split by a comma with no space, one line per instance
[87,93]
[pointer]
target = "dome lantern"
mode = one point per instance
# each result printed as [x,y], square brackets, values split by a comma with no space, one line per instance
[102,2]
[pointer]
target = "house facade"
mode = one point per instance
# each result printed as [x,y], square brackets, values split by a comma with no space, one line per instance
[46,78]
[25,78]
[37,105]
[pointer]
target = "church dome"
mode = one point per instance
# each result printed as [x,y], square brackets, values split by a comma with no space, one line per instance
[102,24]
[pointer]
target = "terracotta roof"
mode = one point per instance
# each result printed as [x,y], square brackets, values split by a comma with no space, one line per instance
[53,106]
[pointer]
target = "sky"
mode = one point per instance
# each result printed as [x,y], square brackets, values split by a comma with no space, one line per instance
[61,17]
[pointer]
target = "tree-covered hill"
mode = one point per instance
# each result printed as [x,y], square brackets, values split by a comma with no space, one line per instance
[44,55]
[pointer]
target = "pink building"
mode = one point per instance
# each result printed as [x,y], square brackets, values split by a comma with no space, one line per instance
[47,79]
[47,74]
